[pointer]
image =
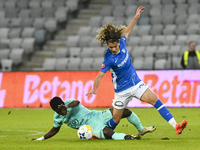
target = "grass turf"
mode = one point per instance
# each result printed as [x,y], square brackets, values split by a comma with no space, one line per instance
[19,126]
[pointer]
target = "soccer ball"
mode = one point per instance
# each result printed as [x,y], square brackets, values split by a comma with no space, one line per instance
[85,132]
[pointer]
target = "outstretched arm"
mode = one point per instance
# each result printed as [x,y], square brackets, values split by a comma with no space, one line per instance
[51,133]
[96,84]
[133,22]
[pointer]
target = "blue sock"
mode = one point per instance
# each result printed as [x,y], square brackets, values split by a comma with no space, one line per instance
[164,112]
[111,124]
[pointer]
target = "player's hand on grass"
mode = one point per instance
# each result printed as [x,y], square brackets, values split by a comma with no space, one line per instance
[91,93]
[33,139]
[139,11]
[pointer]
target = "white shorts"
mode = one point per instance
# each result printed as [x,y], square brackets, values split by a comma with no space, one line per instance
[123,98]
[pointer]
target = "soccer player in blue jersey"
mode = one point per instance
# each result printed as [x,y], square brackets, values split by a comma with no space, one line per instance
[126,82]
[72,113]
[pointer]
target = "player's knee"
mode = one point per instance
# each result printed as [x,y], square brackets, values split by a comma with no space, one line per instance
[126,113]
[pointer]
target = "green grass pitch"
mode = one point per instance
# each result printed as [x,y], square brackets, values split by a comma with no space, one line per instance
[19,126]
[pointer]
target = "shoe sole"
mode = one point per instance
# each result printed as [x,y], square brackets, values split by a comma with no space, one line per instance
[149,131]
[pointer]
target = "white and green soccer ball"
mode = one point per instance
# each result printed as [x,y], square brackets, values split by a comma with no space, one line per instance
[85,132]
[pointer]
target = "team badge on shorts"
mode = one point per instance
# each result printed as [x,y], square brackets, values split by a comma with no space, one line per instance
[119,104]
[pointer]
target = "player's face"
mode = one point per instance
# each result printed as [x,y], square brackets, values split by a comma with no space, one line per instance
[61,111]
[113,47]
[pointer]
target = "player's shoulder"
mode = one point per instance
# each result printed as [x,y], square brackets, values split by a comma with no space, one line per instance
[123,40]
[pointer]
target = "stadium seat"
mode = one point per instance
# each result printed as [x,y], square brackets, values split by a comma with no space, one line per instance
[156,29]
[94,43]
[107,19]
[11,12]
[22,4]
[4,22]
[98,52]
[163,49]
[16,55]
[181,40]
[28,32]
[154,2]
[39,23]
[27,22]
[84,41]
[119,11]
[61,63]
[72,5]
[158,40]
[48,12]
[148,63]
[51,25]
[144,21]
[47,4]
[72,41]
[61,15]
[86,64]
[36,13]
[168,19]
[193,9]
[83,31]
[4,33]
[144,30]
[49,64]
[156,20]
[35,4]
[74,63]
[129,2]
[149,51]
[138,51]
[133,40]
[160,64]
[59,3]
[61,52]
[15,43]
[181,19]
[24,13]
[194,37]
[130,11]
[96,65]
[135,31]
[146,40]
[175,50]
[10,4]
[95,21]
[116,2]
[169,40]
[4,53]
[138,63]
[192,19]
[119,21]
[74,51]
[2,4]
[87,52]
[15,33]
[193,29]
[106,10]
[93,31]
[28,45]
[181,29]
[6,64]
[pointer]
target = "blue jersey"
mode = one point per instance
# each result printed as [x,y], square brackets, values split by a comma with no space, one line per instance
[120,65]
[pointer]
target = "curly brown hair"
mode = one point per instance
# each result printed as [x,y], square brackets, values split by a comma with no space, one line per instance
[110,33]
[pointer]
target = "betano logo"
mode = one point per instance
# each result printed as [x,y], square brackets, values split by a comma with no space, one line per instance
[35,89]
[2,92]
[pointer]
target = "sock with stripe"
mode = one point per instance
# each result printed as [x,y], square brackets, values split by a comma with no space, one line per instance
[111,124]
[165,113]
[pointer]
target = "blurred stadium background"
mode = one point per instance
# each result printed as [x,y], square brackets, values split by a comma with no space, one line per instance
[39,35]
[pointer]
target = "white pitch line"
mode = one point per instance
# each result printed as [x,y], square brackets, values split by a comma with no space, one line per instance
[36,132]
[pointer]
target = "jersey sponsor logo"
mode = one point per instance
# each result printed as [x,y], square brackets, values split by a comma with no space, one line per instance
[124,61]
[102,66]
[74,124]
[119,104]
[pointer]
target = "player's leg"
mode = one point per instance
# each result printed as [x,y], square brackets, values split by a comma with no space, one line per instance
[117,115]
[134,120]
[150,97]
[110,134]
[119,104]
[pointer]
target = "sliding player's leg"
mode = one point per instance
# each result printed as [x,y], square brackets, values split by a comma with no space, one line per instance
[134,120]
[110,134]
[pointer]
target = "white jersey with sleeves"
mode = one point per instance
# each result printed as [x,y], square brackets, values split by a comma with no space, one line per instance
[120,65]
